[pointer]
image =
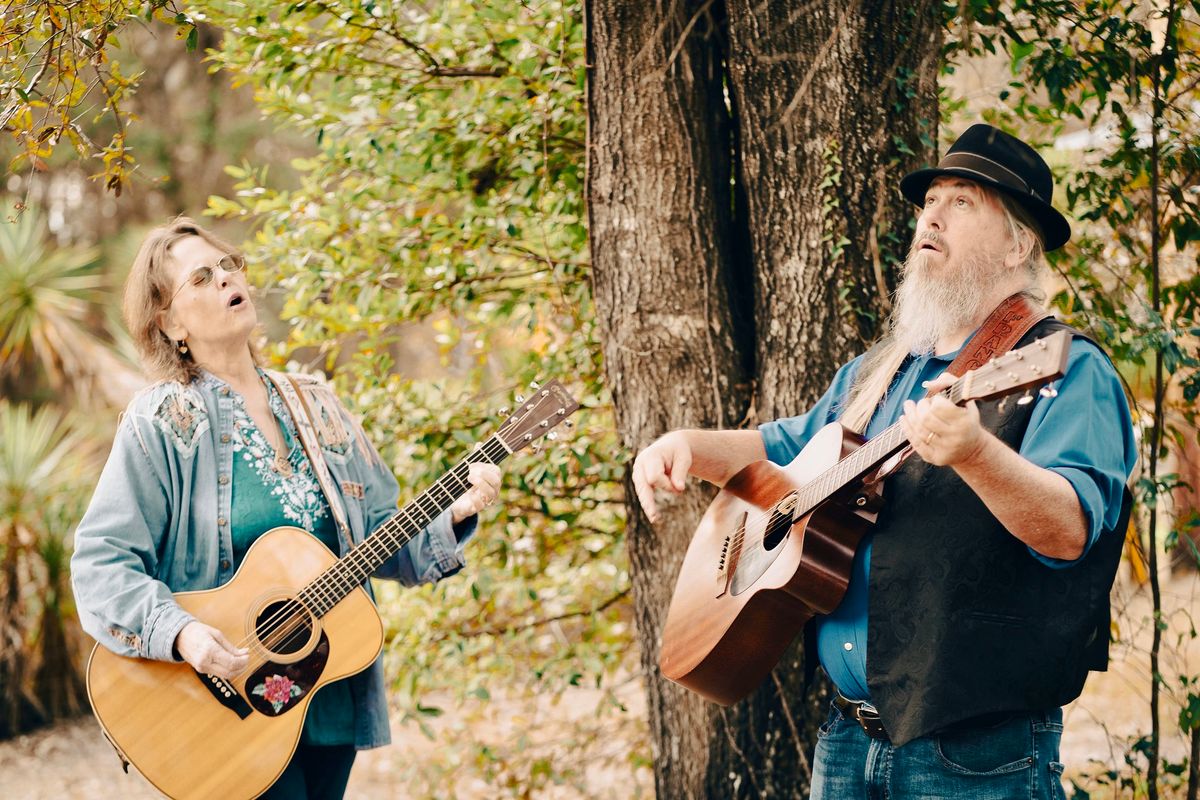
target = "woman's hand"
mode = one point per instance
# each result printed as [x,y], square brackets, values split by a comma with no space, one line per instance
[209,652]
[484,488]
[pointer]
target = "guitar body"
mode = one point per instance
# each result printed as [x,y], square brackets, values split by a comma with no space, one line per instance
[190,738]
[752,578]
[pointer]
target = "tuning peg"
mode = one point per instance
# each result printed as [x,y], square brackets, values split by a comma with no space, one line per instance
[504,411]
[568,423]
[1048,391]
[537,448]
[1025,399]
[552,435]
[534,385]
[520,398]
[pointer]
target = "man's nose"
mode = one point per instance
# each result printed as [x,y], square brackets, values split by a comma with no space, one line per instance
[929,219]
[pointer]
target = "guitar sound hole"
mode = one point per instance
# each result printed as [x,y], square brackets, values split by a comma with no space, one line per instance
[283,627]
[777,530]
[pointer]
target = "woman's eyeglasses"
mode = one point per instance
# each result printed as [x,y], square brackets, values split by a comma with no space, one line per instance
[203,276]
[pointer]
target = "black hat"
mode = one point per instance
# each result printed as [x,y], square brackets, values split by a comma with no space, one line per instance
[991,157]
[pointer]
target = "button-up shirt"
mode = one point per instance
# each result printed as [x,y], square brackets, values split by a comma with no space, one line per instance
[1084,433]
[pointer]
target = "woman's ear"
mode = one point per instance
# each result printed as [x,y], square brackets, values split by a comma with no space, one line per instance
[168,325]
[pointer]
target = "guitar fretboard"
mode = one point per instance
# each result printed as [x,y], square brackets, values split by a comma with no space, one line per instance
[353,569]
[853,467]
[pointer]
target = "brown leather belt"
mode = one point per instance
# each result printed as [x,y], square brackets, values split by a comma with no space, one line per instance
[865,714]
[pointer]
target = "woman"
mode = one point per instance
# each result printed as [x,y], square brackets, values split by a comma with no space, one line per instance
[209,458]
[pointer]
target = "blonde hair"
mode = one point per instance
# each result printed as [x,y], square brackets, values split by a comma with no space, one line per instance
[148,291]
[881,362]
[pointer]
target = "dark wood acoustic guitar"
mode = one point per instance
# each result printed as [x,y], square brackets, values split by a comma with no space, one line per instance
[776,545]
[306,620]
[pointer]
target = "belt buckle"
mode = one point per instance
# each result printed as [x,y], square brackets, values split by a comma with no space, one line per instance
[867,717]
[864,711]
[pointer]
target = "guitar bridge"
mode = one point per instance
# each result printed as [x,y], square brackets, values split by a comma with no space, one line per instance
[226,694]
[731,551]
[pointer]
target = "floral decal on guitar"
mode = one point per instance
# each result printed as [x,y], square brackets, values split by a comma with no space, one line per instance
[278,690]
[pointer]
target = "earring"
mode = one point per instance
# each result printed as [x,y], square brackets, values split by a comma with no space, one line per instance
[183,348]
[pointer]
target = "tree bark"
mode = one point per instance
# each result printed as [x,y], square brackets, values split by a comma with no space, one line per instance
[663,243]
[744,223]
[834,101]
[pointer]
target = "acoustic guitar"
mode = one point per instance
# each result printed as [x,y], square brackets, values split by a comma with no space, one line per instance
[776,545]
[307,621]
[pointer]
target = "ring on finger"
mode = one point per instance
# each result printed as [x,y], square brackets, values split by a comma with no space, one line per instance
[929,438]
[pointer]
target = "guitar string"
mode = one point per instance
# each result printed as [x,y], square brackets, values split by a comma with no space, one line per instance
[322,588]
[818,487]
[297,615]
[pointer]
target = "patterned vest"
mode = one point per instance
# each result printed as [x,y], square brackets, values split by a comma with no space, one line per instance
[962,621]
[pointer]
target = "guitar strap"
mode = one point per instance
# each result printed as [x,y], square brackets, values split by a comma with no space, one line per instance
[293,398]
[1003,328]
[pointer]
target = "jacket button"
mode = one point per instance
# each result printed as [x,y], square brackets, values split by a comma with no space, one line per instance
[224,563]
[225,438]
[225,391]
[221,522]
[224,479]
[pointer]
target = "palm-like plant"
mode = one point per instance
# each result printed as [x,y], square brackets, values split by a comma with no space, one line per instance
[49,316]
[44,472]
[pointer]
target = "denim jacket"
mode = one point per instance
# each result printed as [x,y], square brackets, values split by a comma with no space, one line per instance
[158,523]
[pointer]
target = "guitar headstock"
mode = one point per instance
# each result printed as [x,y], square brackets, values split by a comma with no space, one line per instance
[1033,365]
[536,417]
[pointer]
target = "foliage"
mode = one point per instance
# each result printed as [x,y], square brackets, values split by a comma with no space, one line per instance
[44,476]
[59,80]
[1128,74]
[446,199]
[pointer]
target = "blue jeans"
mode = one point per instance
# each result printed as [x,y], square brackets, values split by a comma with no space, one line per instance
[1015,759]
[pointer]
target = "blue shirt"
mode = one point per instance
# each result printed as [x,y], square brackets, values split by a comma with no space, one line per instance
[1084,434]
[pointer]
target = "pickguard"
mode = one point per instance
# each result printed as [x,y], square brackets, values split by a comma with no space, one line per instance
[274,689]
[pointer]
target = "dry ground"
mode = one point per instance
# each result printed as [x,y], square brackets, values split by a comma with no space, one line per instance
[72,760]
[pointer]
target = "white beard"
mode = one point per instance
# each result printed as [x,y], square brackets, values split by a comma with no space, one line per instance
[928,307]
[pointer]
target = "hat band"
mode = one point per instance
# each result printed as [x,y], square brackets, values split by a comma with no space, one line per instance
[982,165]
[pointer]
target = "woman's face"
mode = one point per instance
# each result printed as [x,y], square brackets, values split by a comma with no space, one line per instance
[216,315]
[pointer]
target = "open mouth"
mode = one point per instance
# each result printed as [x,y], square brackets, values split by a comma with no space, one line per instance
[236,300]
[930,246]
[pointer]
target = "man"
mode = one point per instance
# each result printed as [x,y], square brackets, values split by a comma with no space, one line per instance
[979,601]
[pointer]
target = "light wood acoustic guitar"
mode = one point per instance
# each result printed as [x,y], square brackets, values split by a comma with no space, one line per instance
[306,620]
[776,545]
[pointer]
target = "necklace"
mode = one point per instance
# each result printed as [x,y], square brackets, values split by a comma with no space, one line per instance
[281,464]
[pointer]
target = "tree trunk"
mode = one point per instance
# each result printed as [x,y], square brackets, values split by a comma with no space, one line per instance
[663,244]
[829,98]
[705,289]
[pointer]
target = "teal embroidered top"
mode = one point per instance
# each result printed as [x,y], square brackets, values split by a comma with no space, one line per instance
[265,497]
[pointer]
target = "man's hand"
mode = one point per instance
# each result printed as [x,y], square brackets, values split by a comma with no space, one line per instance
[663,465]
[940,432]
[484,488]
[208,651]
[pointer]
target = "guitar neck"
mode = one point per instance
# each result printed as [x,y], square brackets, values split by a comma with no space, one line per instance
[854,467]
[353,569]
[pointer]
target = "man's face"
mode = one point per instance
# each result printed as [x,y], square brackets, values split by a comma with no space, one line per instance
[960,230]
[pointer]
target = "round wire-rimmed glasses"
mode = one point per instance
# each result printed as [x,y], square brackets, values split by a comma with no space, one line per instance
[203,276]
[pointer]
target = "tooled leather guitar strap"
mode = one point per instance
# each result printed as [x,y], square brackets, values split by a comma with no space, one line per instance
[294,400]
[1003,328]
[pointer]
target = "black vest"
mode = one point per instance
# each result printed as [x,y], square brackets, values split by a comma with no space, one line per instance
[962,620]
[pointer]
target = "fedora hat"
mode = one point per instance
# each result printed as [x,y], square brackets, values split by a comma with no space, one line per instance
[991,157]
